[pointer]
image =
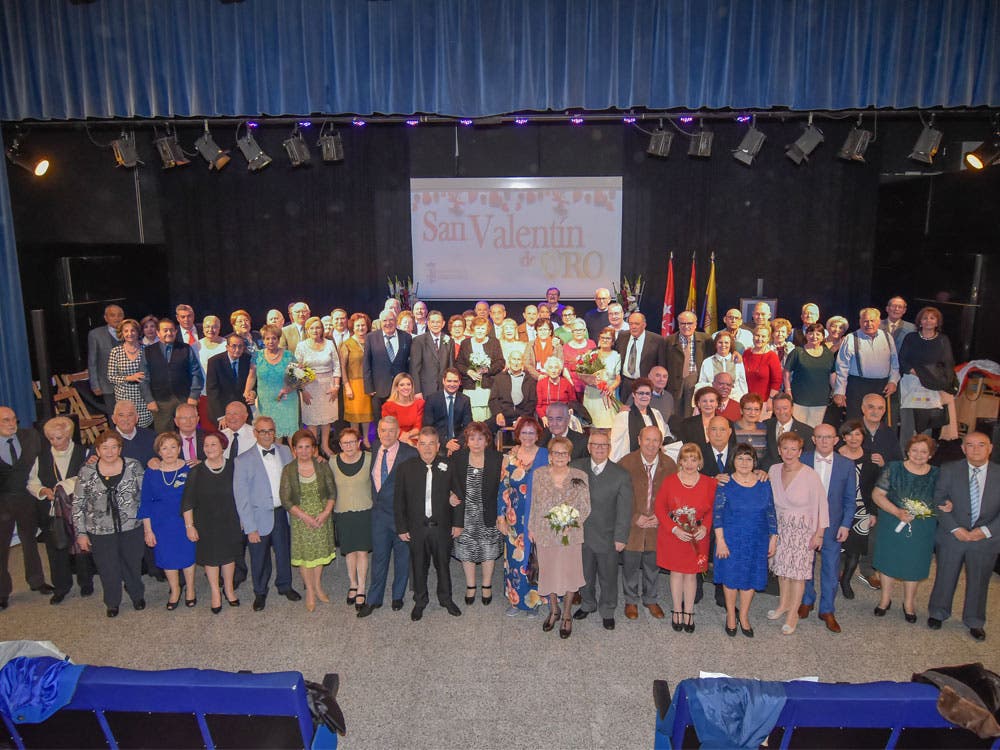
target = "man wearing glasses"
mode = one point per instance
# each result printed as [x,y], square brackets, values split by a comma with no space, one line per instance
[597,318]
[686,350]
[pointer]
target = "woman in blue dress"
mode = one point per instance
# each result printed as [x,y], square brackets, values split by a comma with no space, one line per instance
[513,511]
[746,535]
[274,398]
[162,522]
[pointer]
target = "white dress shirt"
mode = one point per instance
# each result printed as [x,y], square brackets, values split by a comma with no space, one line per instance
[272,465]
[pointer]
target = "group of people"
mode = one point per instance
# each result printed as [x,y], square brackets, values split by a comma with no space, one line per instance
[732,457]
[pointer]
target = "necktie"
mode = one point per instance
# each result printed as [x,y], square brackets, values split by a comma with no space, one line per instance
[781,429]
[383,469]
[236,369]
[974,500]
[720,463]
[649,489]
[389,350]
[234,446]
[267,451]
[192,453]
[168,350]
[687,345]
[437,344]
[13,451]
[428,510]
[451,417]
[631,358]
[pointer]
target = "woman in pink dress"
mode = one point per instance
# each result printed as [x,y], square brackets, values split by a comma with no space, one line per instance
[803,515]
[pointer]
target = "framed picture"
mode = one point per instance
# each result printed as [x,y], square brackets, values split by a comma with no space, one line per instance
[747,304]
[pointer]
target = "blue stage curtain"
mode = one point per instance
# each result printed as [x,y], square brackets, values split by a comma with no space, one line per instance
[121,58]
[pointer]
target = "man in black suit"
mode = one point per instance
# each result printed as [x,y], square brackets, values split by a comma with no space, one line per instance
[513,395]
[18,450]
[449,411]
[173,376]
[781,422]
[809,315]
[430,512]
[718,451]
[387,353]
[640,350]
[685,351]
[226,376]
[557,416]
[597,318]
[192,436]
[100,342]
[431,353]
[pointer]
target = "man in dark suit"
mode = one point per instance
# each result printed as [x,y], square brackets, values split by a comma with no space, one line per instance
[226,376]
[685,351]
[138,440]
[19,448]
[431,353]
[597,318]
[294,332]
[192,436]
[173,376]
[606,530]
[386,543]
[387,353]
[513,395]
[968,534]
[449,411]
[640,350]
[781,422]
[841,481]
[100,342]
[809,315]
[717,452]
[430,512]
[187,329]
[557,415]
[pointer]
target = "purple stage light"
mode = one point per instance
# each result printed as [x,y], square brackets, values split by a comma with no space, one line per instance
[628,120]
[252,124]
[465,122]
[576,120]
[521,121]
[743,118]
[687,120]
[412,123]
[304,124]
[358,122]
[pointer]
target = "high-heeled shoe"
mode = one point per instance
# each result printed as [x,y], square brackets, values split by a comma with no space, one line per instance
[190,602]
[774,614]
[880,611]
[748,632]
[910,617]
[689,624]
[321,595]
[676,620]
[551,620]
[232,602]
[470,599]
[351,595]
[566,629]
[730,631]
[787,629]
[487,599]
[216,610]
[310,601]
[171,606]
[360,602]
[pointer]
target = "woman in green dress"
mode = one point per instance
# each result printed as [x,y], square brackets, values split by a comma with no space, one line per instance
[308,493]
[904,540]
[274,398]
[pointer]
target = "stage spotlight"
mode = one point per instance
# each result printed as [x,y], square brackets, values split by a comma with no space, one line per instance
[170,151]
[252,152]
[331,147]
[210,151]
[123,148]
[297,149]
[659,143]
[746,152]
[17,155]
[855,145]
[987,154]
[805,144]
[927,144]
[701,144]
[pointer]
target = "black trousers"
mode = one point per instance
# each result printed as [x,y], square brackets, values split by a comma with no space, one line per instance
[427,544]
[119,560]
[62,565]
[858,388]
[18,510]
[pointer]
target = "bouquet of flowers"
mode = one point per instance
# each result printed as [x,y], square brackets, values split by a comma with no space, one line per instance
[686,519]
[630,293]
[297,376]
[405,292]
[561,518]
[480,362]
[591,364]
[917,509]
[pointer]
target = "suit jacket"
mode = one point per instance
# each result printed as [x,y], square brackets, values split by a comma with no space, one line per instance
[502,401]
[578,439]
[654,351]
[610,518]
[492,465]
[843,491]
[427,363]
[704,347]
[384,499]
[953,484]
[436,415]
[14,477]
[199,444]
[492,348]
[902,331]
[222,386]
[522,332]
[378,370]
[409,497]
[711,467]
[771,456]
[100,342]
[639,539]
[290,337]
[180,378]
[252,490]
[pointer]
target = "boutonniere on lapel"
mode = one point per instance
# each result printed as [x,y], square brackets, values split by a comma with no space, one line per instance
[446,339]
[442,466]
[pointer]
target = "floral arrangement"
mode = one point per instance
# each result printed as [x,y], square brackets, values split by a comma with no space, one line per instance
[480,361]
[298,376]
[917,509]
[591,364]
[405,292]
[686,519]
[561,518]
[630,293]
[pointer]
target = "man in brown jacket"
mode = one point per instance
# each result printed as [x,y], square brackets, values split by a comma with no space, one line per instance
[648,467]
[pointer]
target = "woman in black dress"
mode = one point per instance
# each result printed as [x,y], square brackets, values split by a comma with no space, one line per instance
[211,519]
[478,467]
[927,366]
[865,510]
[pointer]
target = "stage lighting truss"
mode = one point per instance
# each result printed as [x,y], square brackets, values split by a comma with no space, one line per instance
[123,147]
[251,150]
[17,155]
[297,149]
[805,144]
[927,145]
[751,144]
[331,146]
[210,151]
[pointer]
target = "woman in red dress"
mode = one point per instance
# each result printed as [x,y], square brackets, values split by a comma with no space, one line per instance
[764,373]
[684,509]
[404,407]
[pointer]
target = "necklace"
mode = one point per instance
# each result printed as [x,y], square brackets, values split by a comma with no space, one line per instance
[163,475]
[689,486]
[216,471]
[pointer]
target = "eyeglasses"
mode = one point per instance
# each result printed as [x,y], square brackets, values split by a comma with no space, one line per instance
[599,445]
[264,432]
[345,443]
[643,393]
[559,453]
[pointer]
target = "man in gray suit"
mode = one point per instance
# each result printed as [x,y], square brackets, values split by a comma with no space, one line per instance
[606,530]
[294,332]
[968,534]
[100,342]
[894,324]
[431,353]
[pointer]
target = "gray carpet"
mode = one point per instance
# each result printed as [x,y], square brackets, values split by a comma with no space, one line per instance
[484,680]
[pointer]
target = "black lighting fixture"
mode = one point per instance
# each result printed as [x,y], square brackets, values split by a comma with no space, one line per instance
[251,150]
[170,151]
[17,154]
[752,141]
[660,141]
[123,147]
[856,144]
[806,143]
[210,151]
[987,153]
[331,146]
[701,143]
[927,144]
[297,148]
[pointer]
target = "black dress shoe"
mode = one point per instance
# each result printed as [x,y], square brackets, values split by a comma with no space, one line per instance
[417,613]
[470,599]
[880,612]
[910,617]
[978,633]
[57,598]
[3,604]
[259,602]
[608,623]
[487,598]
[452,609]
[748,632]
[291,595]
[112,611]
[933,623]
[44,589]
[580,614]
[233,602]
[731,632]
[216,610]
[397,604]
[367,609]
[87,590]
[139,605]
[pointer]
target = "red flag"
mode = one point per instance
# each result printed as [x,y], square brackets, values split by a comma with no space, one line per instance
[667,327]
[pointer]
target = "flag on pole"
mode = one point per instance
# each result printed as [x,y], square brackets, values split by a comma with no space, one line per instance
[667,327]
[709,311]
[692,300]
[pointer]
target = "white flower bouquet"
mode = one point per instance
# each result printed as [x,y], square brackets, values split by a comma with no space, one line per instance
[297,376]
[917,509]
[561,518]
